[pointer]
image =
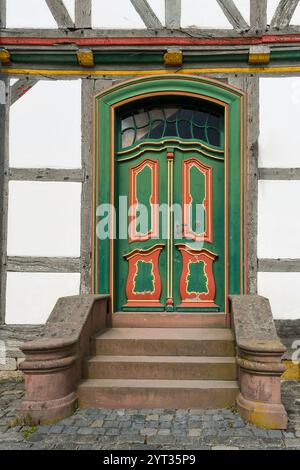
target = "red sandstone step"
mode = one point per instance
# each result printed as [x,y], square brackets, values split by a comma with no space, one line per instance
[169,320]
[164,342]
[161,367]
[139,393]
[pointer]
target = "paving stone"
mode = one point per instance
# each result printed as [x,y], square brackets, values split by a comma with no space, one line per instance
[97,424]
[149,428]
[112,432]
[152,417]
[56,429]
[148,432]
[85,431]
[292,443]
[288,434]
[275,433]
[164,432]
[70,430]
[259,432]
[43,429]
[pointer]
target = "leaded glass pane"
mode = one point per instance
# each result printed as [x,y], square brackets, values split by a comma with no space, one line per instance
[186,122]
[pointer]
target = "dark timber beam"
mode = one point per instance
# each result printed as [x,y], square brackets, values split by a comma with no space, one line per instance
[60,13]
[258,15]
[18,89]
[173,13]
[147,14]
[233,15]
[83,13]
[284,13]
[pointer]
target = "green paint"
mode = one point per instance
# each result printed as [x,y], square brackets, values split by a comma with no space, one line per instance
[203,88]
[197,191]
[137,58]
[197,282]
[144,279]
[143,193]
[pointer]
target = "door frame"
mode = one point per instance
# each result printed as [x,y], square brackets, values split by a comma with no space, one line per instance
[234,102]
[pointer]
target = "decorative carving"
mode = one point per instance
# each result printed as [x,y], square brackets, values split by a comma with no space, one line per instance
[143,286]
[187,199]
[197,290]
[136,171]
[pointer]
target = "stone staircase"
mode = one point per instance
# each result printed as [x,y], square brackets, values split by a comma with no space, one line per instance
[161,360]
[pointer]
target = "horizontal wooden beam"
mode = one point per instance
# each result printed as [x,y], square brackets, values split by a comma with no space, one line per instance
[233,15]
[46,174]
[43,264]
[284,13]
[228,39]
[279,174]
[147,14]
[60,13]
[18,89]
[282,265]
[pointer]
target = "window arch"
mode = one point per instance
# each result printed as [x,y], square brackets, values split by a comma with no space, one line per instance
[185,121]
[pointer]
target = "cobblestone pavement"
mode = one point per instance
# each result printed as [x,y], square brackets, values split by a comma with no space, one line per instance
[147,428]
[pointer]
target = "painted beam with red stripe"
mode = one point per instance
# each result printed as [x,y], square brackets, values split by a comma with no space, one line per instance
[152,41]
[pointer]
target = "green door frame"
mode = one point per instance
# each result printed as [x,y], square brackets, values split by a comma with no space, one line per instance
[234,103]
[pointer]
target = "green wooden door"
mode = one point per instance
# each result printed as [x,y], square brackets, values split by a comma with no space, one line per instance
[169,254]
[170,139]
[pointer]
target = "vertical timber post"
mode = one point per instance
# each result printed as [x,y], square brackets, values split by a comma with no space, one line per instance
[4,143]
[4,135]
[87,91]
[250,84]
[83,14]
[258,15]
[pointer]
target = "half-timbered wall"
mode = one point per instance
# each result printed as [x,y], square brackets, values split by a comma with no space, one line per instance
[46,134]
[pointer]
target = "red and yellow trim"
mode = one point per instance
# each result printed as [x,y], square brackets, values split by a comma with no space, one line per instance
[187,200]
[134,236]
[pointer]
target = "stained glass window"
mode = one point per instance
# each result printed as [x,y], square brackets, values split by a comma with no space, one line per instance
[153,122]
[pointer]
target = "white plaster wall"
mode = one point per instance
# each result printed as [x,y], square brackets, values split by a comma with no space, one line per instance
[29,14]
[278,219]
[30,297]
[282,289]
[45,126]
[119,14]
[279,140]
[44,219]
[203,13]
